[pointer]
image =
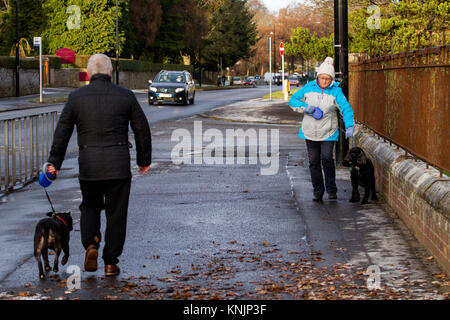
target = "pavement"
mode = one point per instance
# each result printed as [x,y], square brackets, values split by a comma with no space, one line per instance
[28,101]
[220,227]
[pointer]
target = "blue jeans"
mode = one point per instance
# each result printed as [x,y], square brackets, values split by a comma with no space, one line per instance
[320,154]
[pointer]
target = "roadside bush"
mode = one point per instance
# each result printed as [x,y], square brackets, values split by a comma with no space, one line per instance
[81,61]
[25,63]
[9,62]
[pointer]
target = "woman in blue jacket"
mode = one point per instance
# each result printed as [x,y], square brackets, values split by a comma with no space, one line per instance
[319,100]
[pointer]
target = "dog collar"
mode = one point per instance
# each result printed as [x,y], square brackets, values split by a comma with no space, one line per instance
[61,219]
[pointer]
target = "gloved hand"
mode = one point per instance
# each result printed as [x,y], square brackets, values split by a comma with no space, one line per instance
[349,132]
[317,114]
[309,110]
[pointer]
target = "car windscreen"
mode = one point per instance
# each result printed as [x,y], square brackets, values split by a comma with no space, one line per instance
[170,77]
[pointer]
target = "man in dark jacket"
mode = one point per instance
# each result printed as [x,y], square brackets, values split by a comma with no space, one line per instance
[102,112]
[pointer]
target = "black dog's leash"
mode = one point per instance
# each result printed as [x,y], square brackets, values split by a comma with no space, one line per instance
[51,204]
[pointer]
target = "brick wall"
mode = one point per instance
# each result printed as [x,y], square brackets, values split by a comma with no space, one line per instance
[417,194]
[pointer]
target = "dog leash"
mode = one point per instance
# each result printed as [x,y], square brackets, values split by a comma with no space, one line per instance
[51,204]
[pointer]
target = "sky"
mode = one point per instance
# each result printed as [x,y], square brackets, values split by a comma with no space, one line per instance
[275,5]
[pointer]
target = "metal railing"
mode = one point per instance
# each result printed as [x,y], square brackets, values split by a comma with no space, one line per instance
[404,98]
[25,143]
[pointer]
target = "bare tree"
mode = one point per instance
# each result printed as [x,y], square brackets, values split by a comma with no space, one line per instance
[146,15]
[5,4]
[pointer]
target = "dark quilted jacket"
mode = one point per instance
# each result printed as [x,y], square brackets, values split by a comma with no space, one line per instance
[102,112]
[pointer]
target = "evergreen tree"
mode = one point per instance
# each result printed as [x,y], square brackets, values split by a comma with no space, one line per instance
[169,42]
[232,34]
[308,46]
[401,24]
[30,22]
[93,31]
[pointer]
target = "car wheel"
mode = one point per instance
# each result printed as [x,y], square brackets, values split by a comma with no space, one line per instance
[191,101]
[150,102]
[185,100]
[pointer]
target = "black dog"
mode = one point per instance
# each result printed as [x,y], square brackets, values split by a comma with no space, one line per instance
[362,173]
[52,233]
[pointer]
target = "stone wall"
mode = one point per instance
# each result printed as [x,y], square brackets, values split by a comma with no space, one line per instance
[29,82]
[65,77]
[420,197]
[70,78]
[134,80]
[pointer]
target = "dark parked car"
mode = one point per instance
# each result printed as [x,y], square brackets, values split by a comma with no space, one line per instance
[172,86]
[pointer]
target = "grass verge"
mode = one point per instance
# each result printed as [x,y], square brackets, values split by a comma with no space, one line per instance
[62,99]
[279,94]
[210,88]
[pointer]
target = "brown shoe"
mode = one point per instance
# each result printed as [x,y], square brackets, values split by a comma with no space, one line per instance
[90,260]
[111,270]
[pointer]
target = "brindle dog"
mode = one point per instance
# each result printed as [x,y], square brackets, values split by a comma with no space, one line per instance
[52,233]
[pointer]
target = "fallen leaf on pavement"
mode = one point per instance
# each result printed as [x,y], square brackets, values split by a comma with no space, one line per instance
[130,285]
[25,294]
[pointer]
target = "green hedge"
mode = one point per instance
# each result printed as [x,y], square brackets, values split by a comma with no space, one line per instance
[55,62]
[81,61]
[10,63]
[27,63]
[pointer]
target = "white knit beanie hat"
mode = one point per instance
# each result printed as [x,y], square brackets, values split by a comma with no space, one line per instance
[327,68]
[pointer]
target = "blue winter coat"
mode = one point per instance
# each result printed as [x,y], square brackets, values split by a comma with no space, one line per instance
[329,100]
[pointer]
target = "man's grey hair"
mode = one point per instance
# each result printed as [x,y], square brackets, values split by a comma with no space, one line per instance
[99,63]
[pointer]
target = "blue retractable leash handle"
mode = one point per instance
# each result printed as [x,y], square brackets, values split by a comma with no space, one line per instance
[46,178]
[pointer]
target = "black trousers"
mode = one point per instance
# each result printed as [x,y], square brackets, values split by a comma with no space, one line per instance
[111,195]
[320,154]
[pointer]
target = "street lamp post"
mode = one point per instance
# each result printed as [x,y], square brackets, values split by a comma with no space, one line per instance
[221,71]
[269,42]
[341,65]
[117,42]
[17,50]
[274,51]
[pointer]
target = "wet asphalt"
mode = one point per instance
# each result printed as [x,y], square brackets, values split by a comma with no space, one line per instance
[224,231]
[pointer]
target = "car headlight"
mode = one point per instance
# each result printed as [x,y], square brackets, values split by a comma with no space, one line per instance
[153,89]
[179,90]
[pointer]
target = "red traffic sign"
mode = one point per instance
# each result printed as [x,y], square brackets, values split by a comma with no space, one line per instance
[281,48]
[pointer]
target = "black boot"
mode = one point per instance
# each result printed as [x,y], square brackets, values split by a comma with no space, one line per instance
[317,198]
